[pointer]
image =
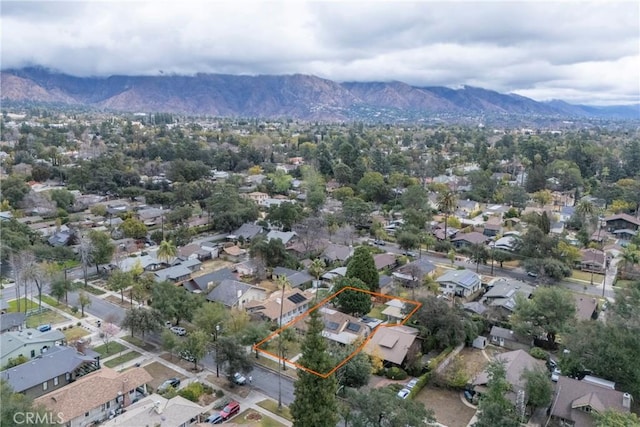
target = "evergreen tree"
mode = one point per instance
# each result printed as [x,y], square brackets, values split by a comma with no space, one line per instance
[363,267]
[495,410]
[315,397]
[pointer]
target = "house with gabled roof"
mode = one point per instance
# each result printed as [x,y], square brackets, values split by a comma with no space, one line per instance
[12,321]
[96,396]
[507,338]
[622,221]
[393,344]
[28,342]
[516,363]
[286,237]
[384,261]
[247,232]
[586,307]
[576,402]
[502,292]
[463,283]
[292,304]
[235,294]
[593,260]
[414,273]
[339,327]
[337,253]
[296,278]
[156,410]
[55,368]
[468,239]
[207,281]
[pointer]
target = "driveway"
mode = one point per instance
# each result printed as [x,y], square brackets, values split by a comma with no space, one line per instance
[446,405]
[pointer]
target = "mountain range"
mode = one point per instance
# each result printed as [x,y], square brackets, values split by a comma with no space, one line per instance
[295,96]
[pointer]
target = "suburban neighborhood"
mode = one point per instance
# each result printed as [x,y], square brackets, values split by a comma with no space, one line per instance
[174,271]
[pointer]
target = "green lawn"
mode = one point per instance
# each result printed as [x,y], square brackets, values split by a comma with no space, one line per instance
[586,276]
[130,355]
[114,347]
[249,418]
[13,305]
[60,306]
[75,333]
[272,406]
[376,312]
[48,317]
[139,343]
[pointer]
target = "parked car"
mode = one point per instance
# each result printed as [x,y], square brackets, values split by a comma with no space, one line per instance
[179,331]
[532,274]
[184,354]
[171,382]
[411,254]
[555,375]
[404,393]
[230,410]
[379,242]
[238,378]
[44,328]
[215,419]
[411,384]
[469,395]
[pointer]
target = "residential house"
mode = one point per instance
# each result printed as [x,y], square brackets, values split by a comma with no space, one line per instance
[492,227]
[233,253]
[414,273]
[586,307]
[334,274]
[339,327]
[176,274]
[207,281]
[466,208]
[624,234]
[336,253]
[516,363]
[286,237]
[258,197]
[593,260]
[246,268]
[474,307]
[246,232]
[393,344]
[276,201]
[507,243]
[462,283]
[194,251]
[576,401]
[385,284]
[96,396]
[155,410]
[502,293]
[294,303]
[469,239]
[303,249]
[56,367]
[508,339]
[385,261]
[295,278]
[235,294]
[621,222]
[146,262]
[12,321]
[151,216]
[28,342]
[395,311]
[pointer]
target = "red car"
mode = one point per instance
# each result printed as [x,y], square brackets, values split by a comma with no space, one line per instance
[230,410]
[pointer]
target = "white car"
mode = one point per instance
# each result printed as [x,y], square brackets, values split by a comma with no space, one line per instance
[404,393]
[411,384]
[179,331]
[555,375]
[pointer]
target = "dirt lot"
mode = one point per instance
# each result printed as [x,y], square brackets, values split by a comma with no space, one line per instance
[474,361]
[446,405]
[160,373]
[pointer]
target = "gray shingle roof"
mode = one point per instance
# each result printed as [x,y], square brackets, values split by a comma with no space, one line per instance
[213,278]
[56,361]
[227,292]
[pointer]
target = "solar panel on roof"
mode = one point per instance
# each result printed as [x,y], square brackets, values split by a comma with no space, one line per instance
[353,327]
[296,298]
[331,325]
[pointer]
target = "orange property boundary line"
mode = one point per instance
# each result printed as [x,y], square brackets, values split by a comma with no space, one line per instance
[256,347]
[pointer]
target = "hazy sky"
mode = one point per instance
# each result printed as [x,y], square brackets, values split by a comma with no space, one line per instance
[581,52]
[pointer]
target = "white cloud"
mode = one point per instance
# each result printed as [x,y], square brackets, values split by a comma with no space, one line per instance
[586,52]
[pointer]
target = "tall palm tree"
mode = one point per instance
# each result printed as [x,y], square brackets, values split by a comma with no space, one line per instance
[586,210]
[167,251]
[316,268]
[447,204]
[630,257]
